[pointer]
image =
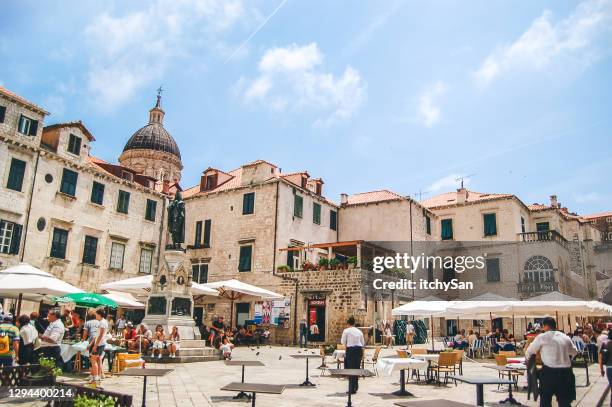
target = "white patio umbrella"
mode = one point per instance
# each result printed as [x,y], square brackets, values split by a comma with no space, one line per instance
[27,281]
[425,307]
[124,300]
[141,284]
[234,290]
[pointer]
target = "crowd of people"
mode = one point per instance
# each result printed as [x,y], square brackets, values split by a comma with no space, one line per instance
[225,338]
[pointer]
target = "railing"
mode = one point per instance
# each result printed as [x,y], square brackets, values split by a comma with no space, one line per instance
[543,236]
[530,287]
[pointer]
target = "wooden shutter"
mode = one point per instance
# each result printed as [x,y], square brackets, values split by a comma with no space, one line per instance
[33,127]
[2,113]
[15,239]
[198,234]
[207,225]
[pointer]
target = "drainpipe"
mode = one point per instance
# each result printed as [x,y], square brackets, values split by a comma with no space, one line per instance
[294,280]
[29,209]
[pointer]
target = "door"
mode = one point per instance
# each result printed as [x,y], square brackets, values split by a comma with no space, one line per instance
[451,327]
[242,313]
[316,316]
[198,315]
[498,323]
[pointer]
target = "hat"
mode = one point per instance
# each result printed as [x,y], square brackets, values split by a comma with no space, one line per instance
[130,324]
[8,317]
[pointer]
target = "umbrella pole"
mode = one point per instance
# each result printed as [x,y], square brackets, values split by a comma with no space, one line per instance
[513,327]
[557,317]
[432,332]
[231,313]
[19,305]
[491,321]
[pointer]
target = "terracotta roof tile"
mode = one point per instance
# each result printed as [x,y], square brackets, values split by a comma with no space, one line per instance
[77,123]
[598,215]
[259,162]
[373,196]
[19,99]
[450,198]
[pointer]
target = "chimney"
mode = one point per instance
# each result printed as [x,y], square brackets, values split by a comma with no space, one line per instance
[553,201]
[462,195]
[343,199]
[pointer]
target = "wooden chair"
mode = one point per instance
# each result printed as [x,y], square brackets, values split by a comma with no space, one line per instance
[446,365]
[323,366]
[502,360]
[402,353]
[340,360]
[373,360]
[418,351]
[459,361]
[125,360]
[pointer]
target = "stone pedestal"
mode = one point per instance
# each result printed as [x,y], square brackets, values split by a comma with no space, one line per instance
[170,302]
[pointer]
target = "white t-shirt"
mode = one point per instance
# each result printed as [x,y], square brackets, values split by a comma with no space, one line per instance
[28,334]
[103,324]
[91,327]
[225,348]
[352,337]
[55,331]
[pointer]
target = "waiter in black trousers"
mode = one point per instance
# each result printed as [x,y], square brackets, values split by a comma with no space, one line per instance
[557,378]
[353,339]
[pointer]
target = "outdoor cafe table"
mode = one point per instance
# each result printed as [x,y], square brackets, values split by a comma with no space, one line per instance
[389,365]
[255,388]
[350,373]
[306,356]
[509,369]
[480,381]
[136,371]
[432,403]
[243,363]
[430,357]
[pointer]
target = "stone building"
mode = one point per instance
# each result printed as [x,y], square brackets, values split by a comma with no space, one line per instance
[603,222]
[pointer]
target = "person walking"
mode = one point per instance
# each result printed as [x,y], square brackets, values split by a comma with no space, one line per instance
[9,341]
[51,340]
[353,340]
[96,346]
[410,331]
[303,333]
[557,377]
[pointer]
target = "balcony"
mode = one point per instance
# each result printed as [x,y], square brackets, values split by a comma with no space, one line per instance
[537,287]
[543,236]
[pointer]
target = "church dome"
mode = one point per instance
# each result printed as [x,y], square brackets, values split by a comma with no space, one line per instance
[153,136]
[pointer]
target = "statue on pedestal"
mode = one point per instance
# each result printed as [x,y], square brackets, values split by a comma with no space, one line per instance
[176,221]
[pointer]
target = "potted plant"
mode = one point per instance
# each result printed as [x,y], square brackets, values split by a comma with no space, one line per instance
[45,375]
[334,263]
[352,262]
[85,401]
[323,263]
[308,266]
[283,269]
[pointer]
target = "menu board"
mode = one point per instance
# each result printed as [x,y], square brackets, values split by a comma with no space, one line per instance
[274,312]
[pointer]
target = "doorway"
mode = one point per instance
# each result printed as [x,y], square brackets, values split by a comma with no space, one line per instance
[198,315]
[451,327]
[316,316]
[243,310]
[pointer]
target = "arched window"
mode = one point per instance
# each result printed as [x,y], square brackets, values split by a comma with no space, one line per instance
[538,269]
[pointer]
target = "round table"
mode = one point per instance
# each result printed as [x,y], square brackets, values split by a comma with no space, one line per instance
[393,364]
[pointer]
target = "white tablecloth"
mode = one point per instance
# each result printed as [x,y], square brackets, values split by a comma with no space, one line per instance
[430,357]
[69,350]
[390,365]
[338,354]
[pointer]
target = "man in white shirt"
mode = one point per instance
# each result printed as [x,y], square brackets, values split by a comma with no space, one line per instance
[556,350]
[354,341]
[52,338]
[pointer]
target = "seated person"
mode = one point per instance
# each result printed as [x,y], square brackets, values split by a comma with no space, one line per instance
[240,337]
[226,347]
[174,342]
[142,340]
[159,341]
[460,342]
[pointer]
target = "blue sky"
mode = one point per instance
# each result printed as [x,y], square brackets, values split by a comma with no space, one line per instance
[402,95]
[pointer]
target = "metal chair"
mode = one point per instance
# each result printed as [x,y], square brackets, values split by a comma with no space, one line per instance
[373,360]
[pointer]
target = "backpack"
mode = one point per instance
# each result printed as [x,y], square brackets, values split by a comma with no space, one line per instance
[5,343]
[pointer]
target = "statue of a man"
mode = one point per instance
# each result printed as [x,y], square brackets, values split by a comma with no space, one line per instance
[176,220]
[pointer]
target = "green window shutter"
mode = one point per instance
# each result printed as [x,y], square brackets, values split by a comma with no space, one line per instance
[490,224]
[74,144]
[198,234]
[59,243]
[290,256]
[89,250]
[207,226]
[244,263]
[316,213]
[2,113]
[248,203]
[542,226]
[16,174]
[428,224]
[69,182]
[447,229]
[333,220]
[33,127]
[298,206]
[151,209]
[97,193]
[15,239]
[493,271]
[123,203]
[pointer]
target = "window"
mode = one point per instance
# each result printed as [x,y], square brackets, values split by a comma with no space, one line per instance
[448,274]
[538,269]
[2,113]
[59,243]
[447,229]
[151,209]
[16,172]
[27,126]
[291,258]
[74,144]
[97,193]
[333,220]
[246,254]
[316,213]
[542,226]
[210,182]
[490,224]
[298,206]
[609,235]
[522,225]
[608,220]
[69,182]
[116,257]
[428,225]
[493,273]
[199,273]
[123,203]
[10,237]
[89,250]
[197,241]
[248,203]
[207,225]
[146,260]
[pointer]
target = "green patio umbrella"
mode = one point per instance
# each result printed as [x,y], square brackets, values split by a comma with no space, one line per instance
[87,300]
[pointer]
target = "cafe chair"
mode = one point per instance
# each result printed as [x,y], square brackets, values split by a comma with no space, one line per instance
[340,360]
[476,347]
[446,365]
[459,361]
[372,361]
[502,360]
[418,351]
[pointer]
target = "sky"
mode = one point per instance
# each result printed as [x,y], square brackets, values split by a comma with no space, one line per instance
[401,95]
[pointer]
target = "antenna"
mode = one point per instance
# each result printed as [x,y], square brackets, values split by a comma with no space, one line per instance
[420,194]
[463,178]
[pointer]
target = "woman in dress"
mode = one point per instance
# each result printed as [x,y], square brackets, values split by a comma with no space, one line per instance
[174,343]
[159,341]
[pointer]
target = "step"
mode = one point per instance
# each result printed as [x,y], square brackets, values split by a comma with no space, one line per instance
[193,343]
[184,359]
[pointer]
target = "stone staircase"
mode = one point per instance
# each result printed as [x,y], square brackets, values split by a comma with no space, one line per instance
[192,350]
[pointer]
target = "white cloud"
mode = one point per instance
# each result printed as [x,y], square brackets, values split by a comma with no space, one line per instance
[292,79]
[131,51]
[428,109]
[546,42]
[448,182]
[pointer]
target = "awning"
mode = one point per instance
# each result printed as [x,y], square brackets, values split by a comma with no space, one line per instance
[124,300]
[235,288]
